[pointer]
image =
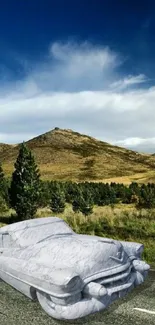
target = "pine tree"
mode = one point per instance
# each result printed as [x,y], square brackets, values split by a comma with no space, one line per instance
[57,202]
[25,188]
[2,179]
[86,202]
[86,206]
[147,197]
[45,196]
[4,185]
[71,191]
[3,205]
[77,201]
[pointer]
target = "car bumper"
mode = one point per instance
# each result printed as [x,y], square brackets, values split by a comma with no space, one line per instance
[89,305]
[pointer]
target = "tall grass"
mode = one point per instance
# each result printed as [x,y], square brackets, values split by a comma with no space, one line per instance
[122,222]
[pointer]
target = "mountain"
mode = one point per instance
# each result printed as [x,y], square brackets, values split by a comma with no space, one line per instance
[68,155]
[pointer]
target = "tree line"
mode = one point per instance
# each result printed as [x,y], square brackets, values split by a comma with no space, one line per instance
[26,192]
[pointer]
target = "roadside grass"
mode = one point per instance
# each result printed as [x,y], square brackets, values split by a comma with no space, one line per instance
[122,222]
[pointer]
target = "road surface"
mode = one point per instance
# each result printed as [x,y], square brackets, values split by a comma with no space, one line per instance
[16,309]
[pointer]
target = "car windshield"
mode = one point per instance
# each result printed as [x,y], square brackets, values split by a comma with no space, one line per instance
[33,235]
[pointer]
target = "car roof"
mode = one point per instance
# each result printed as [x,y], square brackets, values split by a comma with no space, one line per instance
[21,225]
[30,232]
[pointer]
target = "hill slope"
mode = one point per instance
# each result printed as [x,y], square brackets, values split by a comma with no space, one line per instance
[68,155]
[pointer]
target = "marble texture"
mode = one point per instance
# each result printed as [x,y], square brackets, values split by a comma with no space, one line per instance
[71,275]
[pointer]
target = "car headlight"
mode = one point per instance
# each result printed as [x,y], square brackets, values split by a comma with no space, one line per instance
[66,280]
[73,283]
[140,266]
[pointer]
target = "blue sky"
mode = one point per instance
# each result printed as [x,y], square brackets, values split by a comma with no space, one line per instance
[83,65]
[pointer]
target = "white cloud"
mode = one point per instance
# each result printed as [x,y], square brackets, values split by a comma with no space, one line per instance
[72,67]
[135,141]
[129,81]
[83,57]
[139,144]
[79,87]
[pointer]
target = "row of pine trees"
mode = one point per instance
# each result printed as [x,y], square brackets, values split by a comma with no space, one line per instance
[26,192]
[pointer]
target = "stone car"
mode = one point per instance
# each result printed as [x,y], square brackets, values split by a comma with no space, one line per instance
[71,275]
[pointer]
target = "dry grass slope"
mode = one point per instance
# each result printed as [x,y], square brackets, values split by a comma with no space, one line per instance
[68,155]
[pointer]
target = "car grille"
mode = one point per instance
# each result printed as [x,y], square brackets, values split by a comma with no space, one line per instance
[117,281]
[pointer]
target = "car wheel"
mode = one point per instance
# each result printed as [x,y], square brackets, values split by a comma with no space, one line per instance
[45,302]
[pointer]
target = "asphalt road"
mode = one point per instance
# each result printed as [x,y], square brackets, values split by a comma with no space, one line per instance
[16,309]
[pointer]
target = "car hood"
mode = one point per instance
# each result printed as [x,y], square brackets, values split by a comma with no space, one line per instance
[86,254]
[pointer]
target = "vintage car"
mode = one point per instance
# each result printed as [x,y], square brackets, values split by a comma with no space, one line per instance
[71,275]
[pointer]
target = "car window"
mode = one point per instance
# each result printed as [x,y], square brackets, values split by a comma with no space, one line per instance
[32,235]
